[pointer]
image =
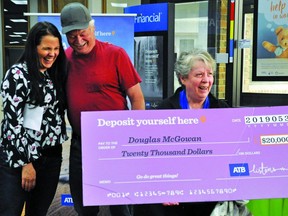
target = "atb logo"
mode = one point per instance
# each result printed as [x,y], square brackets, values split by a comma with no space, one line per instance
[239,169]
[66,200]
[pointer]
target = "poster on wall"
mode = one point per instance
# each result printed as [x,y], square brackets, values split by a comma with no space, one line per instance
[149,64]
[272,41]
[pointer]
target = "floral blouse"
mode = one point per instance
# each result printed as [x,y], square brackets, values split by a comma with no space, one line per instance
[23,145]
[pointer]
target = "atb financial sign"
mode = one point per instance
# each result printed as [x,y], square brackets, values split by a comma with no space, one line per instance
[150,17]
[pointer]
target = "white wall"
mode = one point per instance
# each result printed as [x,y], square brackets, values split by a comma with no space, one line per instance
[95,6]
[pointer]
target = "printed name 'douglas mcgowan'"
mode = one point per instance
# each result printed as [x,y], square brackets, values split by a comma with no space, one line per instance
[165,139]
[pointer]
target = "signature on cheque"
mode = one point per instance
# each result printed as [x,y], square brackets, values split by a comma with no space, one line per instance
[264,169]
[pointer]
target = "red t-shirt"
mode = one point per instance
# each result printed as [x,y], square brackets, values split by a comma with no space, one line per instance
[97,81]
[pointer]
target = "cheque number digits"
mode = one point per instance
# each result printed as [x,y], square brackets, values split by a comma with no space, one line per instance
[266,119]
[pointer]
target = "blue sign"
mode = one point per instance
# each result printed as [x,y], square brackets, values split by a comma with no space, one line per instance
[239,169]
[150,17]
[66,200]
[118,30]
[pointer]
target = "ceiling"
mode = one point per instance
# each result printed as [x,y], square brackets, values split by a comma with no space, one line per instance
[15,23]
[117,6]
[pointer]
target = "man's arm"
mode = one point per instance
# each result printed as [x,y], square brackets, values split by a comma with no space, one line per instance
[136,97]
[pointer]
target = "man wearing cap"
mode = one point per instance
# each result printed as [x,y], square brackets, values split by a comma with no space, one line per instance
[100,76]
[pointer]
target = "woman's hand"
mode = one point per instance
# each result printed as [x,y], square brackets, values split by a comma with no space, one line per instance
[28,177]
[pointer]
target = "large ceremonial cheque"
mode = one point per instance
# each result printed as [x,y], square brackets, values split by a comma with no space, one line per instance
[155,156]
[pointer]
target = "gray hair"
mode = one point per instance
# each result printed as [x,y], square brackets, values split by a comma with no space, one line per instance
[91,23]
[187,60]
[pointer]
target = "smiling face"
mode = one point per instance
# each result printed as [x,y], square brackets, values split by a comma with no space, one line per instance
[199,82]
[48,50]
[82,41]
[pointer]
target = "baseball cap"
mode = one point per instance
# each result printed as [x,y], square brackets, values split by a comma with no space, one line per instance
[74,16]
